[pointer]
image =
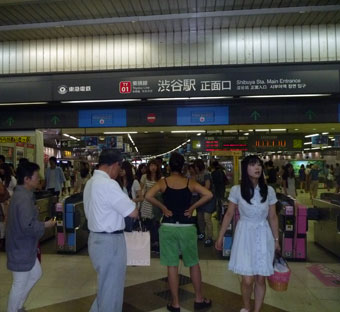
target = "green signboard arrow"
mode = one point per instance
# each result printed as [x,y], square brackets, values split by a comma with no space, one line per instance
[55,119]
[255,115]
[310,114]
[10,121]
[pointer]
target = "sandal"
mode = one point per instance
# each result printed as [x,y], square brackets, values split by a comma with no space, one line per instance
[172,309]
[206,303]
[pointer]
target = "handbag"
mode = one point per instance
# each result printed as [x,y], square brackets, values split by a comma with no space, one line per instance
[280,279]
[137,248]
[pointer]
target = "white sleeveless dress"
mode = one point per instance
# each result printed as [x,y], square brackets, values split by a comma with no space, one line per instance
[253,246]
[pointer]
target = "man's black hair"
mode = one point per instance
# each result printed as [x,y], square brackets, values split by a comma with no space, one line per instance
[2,158]
[23,160]
[26,170]
[109,157]
[53,159]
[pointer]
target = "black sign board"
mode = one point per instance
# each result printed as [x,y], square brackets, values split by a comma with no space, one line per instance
[37,118]
[226,82]
[241,80]
[273,142]
[219,143]
[72,144]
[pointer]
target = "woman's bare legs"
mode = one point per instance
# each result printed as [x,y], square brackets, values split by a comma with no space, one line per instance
[247,284]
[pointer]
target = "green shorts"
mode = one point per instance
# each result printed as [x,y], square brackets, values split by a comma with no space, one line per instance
[178,240]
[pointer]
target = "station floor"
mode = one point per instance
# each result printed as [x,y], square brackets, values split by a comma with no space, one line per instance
[68,283]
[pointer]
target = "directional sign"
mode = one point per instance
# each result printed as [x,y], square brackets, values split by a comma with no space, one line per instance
[310,114]
[283,112]
[10,121]
[72,144]
[255,115]
[55,119]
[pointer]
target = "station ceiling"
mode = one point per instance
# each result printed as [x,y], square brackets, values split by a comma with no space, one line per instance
[158,140]
[39,19]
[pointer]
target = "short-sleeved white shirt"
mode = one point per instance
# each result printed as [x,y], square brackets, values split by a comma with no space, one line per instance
[135,187]
[257,209]
[105,203]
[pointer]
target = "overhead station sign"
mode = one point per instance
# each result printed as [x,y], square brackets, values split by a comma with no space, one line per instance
[232,80]
[228,83]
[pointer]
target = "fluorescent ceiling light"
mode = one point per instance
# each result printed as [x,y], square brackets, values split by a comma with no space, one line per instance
[311,135]
[23,103]
[277,130]
[136,149]
[283,95]
[325,133]
[230,131]
[198,134]
[307,143]
[120,132]
[261,130]
[67,135]
[101,101]
[191,98]
[170,99]
[73,138]
[247,133]
[188,131]
[306,149]
[314,148]
[210,97]
[131,139]
[332,139]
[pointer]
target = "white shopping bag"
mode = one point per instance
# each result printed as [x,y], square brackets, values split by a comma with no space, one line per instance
[138,248]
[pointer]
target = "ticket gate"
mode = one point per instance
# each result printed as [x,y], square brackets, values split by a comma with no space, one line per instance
[46,202]
[327,228]
[72,231]
[292,228]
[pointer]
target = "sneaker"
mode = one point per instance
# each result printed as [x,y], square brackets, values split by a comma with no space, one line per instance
[200,236]
[208,243]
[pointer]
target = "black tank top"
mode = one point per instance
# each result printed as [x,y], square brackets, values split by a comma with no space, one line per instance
[177,201]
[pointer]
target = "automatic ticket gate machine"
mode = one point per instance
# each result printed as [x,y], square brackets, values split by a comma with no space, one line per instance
[72,231]
[327,227]
[292,228]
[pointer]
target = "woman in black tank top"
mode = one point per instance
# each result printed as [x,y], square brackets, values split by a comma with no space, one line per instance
[177,233]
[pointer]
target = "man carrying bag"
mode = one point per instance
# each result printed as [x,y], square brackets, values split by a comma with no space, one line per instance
[106,205]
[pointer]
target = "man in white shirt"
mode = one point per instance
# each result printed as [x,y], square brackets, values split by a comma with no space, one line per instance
[106,205]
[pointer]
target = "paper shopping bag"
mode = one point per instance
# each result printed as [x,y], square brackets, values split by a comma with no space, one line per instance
[138,248]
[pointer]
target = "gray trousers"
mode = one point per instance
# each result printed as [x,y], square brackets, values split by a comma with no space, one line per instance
[108,255]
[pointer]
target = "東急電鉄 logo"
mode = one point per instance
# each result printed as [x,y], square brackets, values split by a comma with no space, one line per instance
[62,89]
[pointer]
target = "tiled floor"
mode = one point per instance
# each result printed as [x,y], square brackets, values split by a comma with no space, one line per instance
[69,284]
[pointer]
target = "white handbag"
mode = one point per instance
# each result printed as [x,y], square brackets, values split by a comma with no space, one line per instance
[137,248]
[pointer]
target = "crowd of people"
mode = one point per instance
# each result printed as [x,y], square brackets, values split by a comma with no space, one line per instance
[306,180]
[175,202]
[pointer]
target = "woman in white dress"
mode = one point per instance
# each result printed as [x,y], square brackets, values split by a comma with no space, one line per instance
[256,236]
